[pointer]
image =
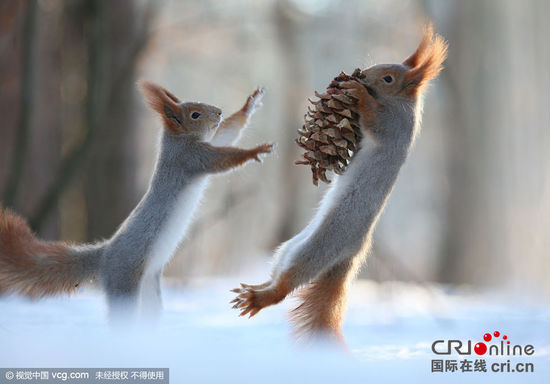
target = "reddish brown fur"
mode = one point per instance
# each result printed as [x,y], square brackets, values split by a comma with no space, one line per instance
[324,300]
[253,298]
[426,62]
[323,303]
[171,96]
[240,117]
[30,266]
[226,158]
[427,37]
[158,99]
[265,297]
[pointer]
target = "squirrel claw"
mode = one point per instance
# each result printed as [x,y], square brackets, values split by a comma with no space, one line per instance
[253,312]
[353,88]
[258,94]
[254,101]
[262,149]
[256,286]
[251,299]
[351,84]
[358,91]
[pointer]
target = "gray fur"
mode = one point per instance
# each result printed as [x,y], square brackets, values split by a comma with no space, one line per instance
[125,255]
[129,265]
[344,224]
[329,251]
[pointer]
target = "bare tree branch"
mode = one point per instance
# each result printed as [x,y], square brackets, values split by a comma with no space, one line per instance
[94,111]
[76,158]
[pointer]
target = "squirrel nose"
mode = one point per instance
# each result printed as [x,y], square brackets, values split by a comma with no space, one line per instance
[216,114]
[215,111]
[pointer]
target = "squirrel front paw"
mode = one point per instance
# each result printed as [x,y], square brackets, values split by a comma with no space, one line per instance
[254,101]
[251,299]
[367,105]
[260,150]
[356,90]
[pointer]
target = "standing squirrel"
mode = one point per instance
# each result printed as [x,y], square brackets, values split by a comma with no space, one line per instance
[327,254]
[129,265]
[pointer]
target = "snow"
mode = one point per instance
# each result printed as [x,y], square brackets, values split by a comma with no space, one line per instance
[390,328]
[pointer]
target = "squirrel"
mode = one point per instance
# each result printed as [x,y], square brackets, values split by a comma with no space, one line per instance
[194,144]
[324,257]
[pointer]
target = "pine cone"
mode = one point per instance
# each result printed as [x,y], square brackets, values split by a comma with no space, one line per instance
[331,130]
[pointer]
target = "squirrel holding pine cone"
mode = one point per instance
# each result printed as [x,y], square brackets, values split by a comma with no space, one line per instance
[362,129]
[378,111]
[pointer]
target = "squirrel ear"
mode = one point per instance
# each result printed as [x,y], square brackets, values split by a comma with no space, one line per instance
[427,37]
[165,104]
[426,62]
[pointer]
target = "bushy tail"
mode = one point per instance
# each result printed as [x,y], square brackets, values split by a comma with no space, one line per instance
[38,268]
[323,304]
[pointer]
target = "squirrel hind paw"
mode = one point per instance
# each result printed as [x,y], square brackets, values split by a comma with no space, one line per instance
[252,299]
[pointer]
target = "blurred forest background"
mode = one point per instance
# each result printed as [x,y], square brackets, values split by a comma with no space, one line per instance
[472,205]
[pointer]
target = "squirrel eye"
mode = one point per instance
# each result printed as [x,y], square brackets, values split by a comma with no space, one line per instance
[195,115]
[388,79]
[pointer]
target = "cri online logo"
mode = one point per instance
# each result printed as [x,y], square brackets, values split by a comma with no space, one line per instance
[442,347]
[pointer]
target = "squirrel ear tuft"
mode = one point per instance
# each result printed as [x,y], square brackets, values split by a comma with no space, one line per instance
[426,62]
[165,104]
[427,37]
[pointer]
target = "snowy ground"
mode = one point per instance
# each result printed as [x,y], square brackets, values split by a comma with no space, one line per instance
[390,328]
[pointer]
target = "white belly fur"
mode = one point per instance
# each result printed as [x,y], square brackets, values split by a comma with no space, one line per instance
[175,226]
[338,188]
